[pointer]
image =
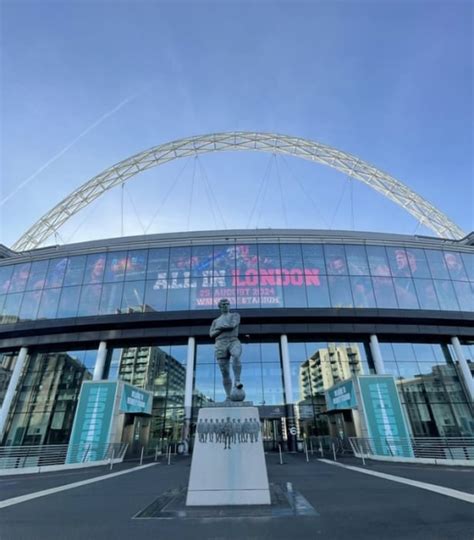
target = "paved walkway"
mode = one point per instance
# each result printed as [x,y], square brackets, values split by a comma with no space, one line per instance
[350,504]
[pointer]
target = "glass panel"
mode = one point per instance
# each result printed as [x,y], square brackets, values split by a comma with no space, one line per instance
[68,302]
[455,266]
[19,277]
[468,259]
[136,265]
[335,260]
[202,261]
[465,294]
[446,295]
[248,296]
[5,278]
[44,411]
[204,384]
[269,257]
[132,300]
[49,304]
[205,354]
[270,352]
[224,259]
[436,263]
[111,299]
[426,294]
[406,294]
[56,271]
[246,258]
[378,262]
[202,294]
[357,260]
[294,290]
[317,291]
[155,295]
[313,258]
[95,266]
[7,364]
[340,291]
[384,292]
[272,384]
[75,270]
[398,261]
[180,260]
[291,256]
[178,296]
[418,263]
[271,296]
[158,261]
[89,302]
[37,275]
[11,308]
[362,292]
[29,305]
[115,266]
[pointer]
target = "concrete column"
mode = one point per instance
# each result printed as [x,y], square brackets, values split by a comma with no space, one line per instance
[188,388]
[100,362]
[289,404]
[376,355]
[465,371]
[11,390]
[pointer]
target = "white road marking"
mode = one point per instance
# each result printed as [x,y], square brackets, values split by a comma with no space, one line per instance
[65,487]
[441,490]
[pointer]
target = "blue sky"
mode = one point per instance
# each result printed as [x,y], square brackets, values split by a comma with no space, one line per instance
[391,82]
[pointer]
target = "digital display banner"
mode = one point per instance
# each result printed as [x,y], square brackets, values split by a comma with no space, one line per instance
[341,396]
[135,400]
[92,422]
[384,416]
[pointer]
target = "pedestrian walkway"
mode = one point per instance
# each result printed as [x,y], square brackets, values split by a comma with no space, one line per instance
[347,504]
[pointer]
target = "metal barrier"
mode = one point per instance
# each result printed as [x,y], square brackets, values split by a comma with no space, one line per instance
[50,455]
[421,449]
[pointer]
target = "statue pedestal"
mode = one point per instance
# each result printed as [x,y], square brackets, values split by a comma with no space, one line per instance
[228,465]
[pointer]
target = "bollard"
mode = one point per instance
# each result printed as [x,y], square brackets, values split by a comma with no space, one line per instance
[306,451]
[281,457]
[334,451]
[169,455]
[112,460]
[141,455]
[321,448]
[156,453]
[311,446]
[363,460]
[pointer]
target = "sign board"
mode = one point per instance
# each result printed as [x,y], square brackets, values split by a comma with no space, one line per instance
[341,396]
[135,400]
[386,424]
[92,422]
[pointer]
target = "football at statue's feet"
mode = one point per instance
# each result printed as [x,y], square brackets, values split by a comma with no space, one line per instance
[237,394]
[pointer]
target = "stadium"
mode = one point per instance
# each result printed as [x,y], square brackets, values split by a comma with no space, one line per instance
[318,308]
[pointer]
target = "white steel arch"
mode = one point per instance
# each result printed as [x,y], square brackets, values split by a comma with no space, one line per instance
[346,163]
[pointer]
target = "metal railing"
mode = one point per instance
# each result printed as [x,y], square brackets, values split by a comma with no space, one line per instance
[428,448]
[19,457]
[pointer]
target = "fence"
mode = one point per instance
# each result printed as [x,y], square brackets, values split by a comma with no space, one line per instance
[455,450]
[35,458]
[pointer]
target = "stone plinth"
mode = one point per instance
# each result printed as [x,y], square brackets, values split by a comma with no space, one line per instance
[228,465]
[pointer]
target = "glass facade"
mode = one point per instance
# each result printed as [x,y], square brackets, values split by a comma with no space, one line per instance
[264,275]
[430,389]
[315,367]
[162,371]
[43,408]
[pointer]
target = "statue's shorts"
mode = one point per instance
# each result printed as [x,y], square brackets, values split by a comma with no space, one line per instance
[225,348]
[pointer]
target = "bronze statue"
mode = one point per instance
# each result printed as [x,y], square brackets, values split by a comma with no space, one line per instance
[227,347]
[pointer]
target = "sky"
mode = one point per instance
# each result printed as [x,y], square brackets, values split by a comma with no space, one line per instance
[86,84]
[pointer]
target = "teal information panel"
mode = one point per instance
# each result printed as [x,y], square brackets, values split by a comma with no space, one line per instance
[135,400]
[341,396]
[384,416]
[92,423]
